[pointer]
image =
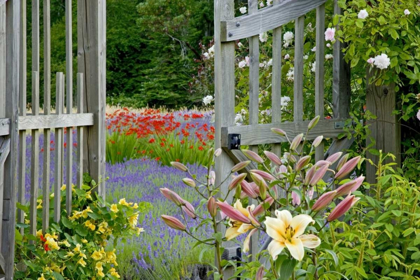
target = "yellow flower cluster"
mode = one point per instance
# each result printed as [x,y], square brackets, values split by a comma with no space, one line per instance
[80,214]
[51,241]
[78,250]
[39,206]
[90,224]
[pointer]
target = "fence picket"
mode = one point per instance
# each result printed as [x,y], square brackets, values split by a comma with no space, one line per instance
[320,72]
[298,74]
[58,178]
[35,156]
[80,130]
[69,103]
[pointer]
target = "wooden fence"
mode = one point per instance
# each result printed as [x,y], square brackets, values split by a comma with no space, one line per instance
[16,122]
[229,29]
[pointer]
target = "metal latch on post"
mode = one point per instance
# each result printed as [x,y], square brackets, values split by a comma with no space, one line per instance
[339,125]
[234,141]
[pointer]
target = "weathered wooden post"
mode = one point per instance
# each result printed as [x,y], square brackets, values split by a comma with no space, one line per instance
[8,194]
[385,130]
[91,33]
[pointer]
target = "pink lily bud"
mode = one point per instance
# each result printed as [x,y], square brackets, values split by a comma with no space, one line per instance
[313,122]
[302,163]
[179,166]
[173,222]
[189,182]
[282,171]
[254,220]
[334,157]
[264,175]
[236,181]
[273,157]
[189,209]
[320,163]
[212,178]
[296,141]
[212,207]
[260,273]
[218,152]
[253,156]
[248,190]
[291,158]
[295,199]
[172,196]
[260,208]
[262,185]
[324,201]
[279,131]
[351,186]
[240,166]
[255,187]
[319,174]
[342,207]
[309,174]
[233,213]
[342,161]
[347,168]
[310,193]
[317,141]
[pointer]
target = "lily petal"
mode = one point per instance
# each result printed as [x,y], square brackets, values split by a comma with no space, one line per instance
[299,224]
[310,240]
[244,228]
[296,249]
[275,228]
[238,205]
[285,216]
[275,248]
[247,239]
[232,232]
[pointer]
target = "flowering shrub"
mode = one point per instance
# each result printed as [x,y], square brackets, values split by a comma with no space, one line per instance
[293,186]
[166,137]
[81,245]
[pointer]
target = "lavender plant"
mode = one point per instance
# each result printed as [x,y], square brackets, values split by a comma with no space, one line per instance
[293,188]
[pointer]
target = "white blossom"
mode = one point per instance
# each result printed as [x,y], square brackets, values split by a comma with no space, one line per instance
[207,100]
[211,51]
[418,115]
[242,64]
[313,49]
[363,14]
[406,12]
[284,101]
[287,56]
[264,37]
[288,37]
[270,62]
[240,45]
[263,64]
[329,56]
[305,57]
[242,10]
[382,61]
[371,60]
[309,27]
[206,55]
[269,2]
[329,45]
[291,74]
[262,4]
[243,112]
[239,119]
[330,34]
[313,68]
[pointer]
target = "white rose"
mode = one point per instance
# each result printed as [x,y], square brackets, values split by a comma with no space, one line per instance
[264,37]
[363,14]
[329,56]
[382,61]
[242,10]
[242,64]
[207,100]
[406,12]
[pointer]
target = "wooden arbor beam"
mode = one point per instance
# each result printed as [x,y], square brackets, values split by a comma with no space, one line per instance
[91,18]
[265,19]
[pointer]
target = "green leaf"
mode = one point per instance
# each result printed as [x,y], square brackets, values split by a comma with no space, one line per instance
[381,20]
[361,271]
[58,276]
[66,222]
[389,227]
[359,23]
[82,231]
[415,256]
[393,33]
[334,256]
[287,268]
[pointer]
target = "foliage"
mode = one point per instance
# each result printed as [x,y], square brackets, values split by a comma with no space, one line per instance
[304,195]
[82,244]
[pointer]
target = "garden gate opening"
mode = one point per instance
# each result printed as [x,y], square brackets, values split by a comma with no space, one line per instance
[54,123]
[229,29]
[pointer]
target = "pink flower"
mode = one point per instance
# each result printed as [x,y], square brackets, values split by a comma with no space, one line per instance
[342,207]
[330,34]
[324,200]
[173,222]
[295,199]
[371,60]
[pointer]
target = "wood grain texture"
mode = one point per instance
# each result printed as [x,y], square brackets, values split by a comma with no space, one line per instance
[4,153]
[11,165]
[224,75]
[35,158]
[2,60]
[80,131]
[91,62]
[58,174]
[320,72]
[341,78]
[262,134]
[381,101]
[35,35]
[298,74]
[4,127]
[55,121]
[265,19]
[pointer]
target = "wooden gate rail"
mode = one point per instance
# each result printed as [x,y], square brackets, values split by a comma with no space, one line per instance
[4,127]
[31,122]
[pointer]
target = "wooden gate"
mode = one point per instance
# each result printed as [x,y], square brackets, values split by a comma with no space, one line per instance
[17,122]
[229,29]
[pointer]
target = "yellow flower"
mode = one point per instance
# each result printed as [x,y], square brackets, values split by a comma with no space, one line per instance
[123,202]
[237,227]
[139,230]
[111,257]
[133,220]
[42,277]
[88,196]
[52,244]
[288,232]
[27,222]
[90,225]
[65,242]
[84,241]
[102,227]
[114,208]
[86,211]
[135,206]
[55,267]
[100,269]
[113,272]
[77,249]
[97,256]
[39,233]
[82,255]
[70,254]
[81,262]
[63,187]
